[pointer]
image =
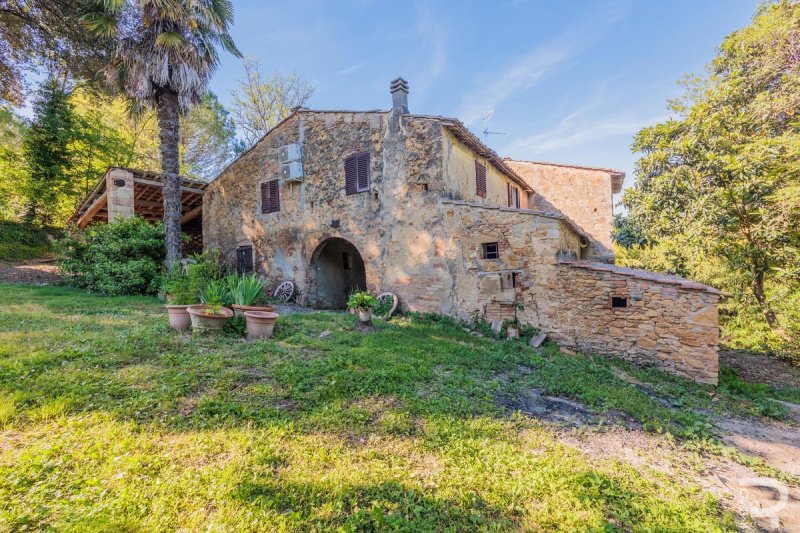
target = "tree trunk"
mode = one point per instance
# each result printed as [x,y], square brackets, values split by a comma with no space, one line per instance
[169,136]
[761,298]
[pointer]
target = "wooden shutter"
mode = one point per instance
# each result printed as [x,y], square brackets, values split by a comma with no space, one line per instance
[244,259]
[270,196]
[363,172]
[274,196]
[510,195]
[351,175]
[356,173]
[516,197]
[480,180]
[265,198]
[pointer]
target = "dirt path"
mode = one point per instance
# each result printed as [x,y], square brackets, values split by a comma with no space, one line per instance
[36,272]
[759,502]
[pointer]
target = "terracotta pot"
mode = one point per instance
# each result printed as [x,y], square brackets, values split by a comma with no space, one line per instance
[365,315]
[179,318]
[204,319]
[260,324]
[239,310]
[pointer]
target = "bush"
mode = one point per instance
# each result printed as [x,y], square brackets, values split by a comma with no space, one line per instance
[124,257]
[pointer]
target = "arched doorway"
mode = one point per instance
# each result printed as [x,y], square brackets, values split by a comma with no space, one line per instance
[337,270]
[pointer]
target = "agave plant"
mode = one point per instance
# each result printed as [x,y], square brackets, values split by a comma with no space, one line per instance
[215,294]
[246,289]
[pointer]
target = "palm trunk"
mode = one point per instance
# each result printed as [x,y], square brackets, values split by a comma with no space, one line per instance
[169,136]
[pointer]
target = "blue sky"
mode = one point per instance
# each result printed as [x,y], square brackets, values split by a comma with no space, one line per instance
[571,82]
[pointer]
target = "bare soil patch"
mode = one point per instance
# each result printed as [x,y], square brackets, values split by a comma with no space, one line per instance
[762,368]
[34,272]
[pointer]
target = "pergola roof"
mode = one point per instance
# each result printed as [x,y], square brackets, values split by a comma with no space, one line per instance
[148,198]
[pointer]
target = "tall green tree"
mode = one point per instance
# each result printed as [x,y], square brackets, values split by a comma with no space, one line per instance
[46,148]
[208,139]
[45,33]
[165,54]
[13,175]
[723,174]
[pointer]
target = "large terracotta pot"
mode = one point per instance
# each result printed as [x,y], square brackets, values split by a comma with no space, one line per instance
[260,324]
[179,317]
[239,310]
[204,319]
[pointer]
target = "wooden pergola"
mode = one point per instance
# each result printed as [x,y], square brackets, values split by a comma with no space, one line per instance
[124,192]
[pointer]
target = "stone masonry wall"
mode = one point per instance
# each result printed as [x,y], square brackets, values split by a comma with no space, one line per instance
[388,224]
[670,322]
[583,195]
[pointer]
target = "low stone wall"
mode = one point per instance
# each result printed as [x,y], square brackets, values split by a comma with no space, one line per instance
[666,321]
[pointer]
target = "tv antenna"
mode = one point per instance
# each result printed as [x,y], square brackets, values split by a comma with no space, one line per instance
[486,118]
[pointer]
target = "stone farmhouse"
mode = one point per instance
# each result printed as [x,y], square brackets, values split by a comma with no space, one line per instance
[418,205]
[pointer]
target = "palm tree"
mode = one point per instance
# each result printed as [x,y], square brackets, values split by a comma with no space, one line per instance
[164,55]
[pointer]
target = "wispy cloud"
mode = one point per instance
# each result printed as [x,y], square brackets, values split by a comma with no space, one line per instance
[351,68]
[579,128]
[528,70]
[432,37]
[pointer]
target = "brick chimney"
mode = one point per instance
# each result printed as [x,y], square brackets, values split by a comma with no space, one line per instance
[399,90]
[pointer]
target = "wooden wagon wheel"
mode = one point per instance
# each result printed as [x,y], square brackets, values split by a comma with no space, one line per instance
[386,297]
[284,292]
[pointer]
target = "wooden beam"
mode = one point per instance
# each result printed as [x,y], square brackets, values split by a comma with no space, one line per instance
[92,211]
[154,183]
[191,215]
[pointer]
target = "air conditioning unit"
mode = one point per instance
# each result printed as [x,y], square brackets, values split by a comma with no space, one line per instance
[289,153]
[292,171]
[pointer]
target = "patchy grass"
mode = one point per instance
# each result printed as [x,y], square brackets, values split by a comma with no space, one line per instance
[111,421]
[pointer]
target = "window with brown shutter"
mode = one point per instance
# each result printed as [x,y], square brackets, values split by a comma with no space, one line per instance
[480,179]
[356,173]
[270,196]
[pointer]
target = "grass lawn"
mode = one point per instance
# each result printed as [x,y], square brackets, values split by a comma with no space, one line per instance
[113,422]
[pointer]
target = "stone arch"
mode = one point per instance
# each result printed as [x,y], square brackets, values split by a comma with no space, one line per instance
[336,269]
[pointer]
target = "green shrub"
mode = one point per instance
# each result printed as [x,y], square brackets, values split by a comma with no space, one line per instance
[19,241]
[124,257]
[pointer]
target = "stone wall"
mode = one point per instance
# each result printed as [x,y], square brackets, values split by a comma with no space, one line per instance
[584,195]
[388,225]
[415,241]
[669,322]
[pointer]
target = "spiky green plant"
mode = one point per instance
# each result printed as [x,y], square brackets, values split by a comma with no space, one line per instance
[246,289]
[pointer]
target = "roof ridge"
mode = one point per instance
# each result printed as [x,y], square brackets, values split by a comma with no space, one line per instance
[568,165]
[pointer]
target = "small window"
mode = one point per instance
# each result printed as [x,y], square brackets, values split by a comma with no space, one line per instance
[244,259]
[490,250]
[480,179]
[347,261]
[515,279]
[356,173]
[270,196]
[513,196]
[618,302]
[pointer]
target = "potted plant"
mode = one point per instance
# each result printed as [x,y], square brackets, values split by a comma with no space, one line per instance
[180,295]
[260,324]
[211,314]
[363,302]
[245,291]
